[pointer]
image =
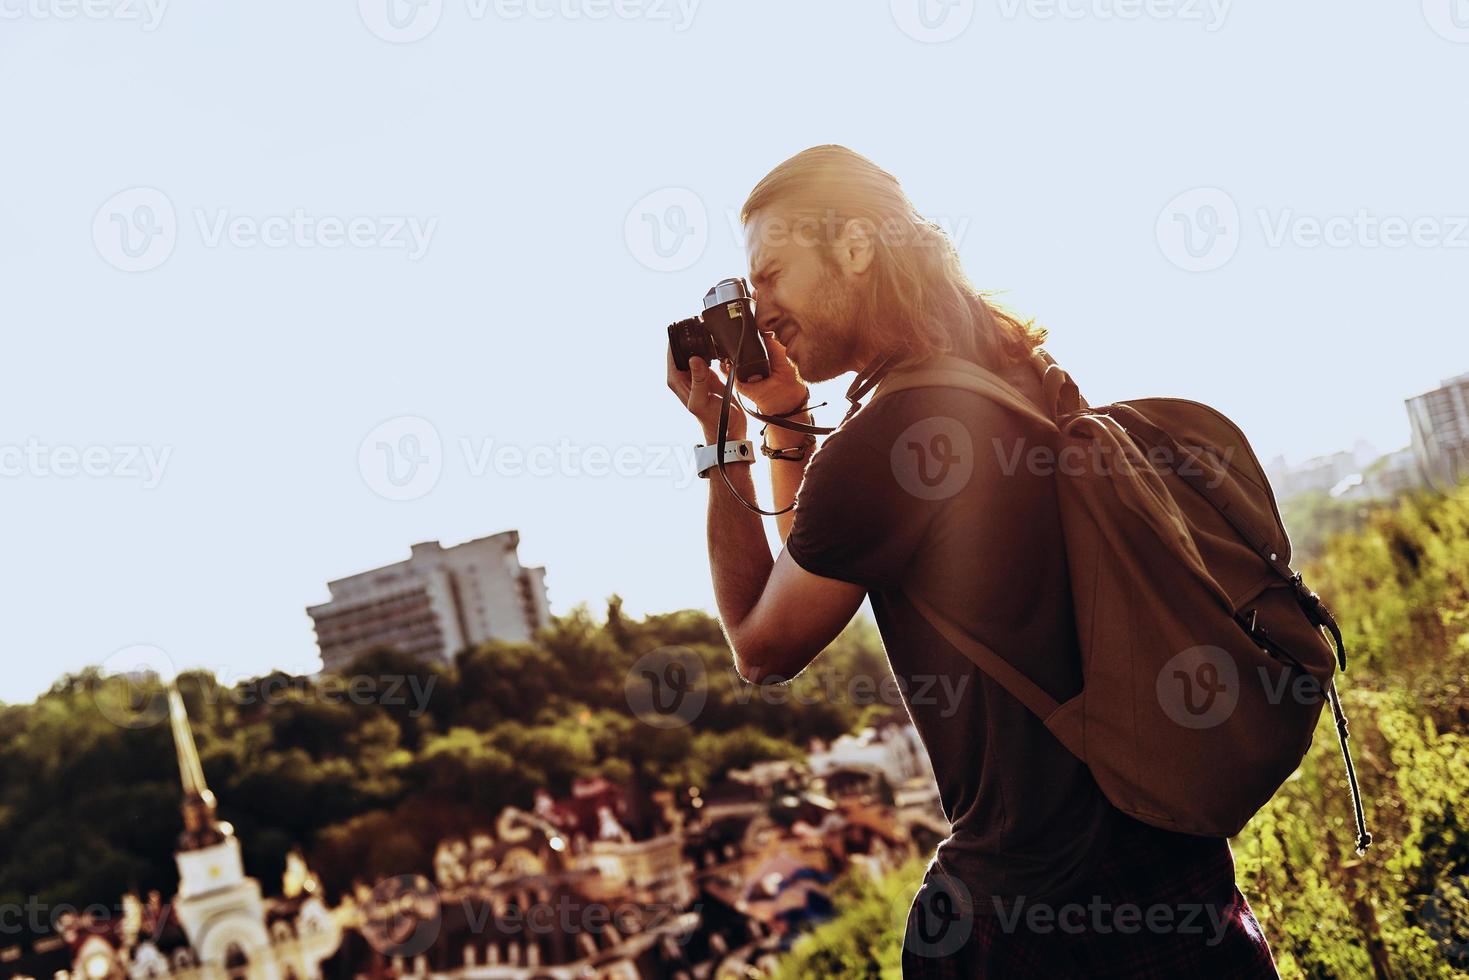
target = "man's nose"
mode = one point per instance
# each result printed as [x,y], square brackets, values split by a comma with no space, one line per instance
[765,315]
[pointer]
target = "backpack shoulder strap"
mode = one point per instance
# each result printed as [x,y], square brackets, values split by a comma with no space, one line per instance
[953,372]
[1022,688]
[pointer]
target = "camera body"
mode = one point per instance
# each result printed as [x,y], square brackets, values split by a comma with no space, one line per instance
[726,326]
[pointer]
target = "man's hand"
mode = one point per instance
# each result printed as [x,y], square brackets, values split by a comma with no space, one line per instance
[782,391]
[776,616]
[702,391]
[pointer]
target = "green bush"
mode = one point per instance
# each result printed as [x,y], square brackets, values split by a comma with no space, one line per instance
[1399,584]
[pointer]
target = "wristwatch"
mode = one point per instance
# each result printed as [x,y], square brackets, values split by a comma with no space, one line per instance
[706,458]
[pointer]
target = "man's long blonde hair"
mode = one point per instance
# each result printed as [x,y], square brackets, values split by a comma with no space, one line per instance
[920,301]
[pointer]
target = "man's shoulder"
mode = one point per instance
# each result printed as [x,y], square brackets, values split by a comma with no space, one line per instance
[896,418]
[929,443]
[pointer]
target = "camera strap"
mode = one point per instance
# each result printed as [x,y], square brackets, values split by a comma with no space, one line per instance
[865,381]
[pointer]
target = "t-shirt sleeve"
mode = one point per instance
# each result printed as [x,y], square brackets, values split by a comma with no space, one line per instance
[854,520]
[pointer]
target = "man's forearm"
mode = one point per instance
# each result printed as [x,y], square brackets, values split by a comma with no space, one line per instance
[786,474]
[739,556]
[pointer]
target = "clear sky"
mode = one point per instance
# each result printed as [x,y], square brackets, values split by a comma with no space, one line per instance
[236,240]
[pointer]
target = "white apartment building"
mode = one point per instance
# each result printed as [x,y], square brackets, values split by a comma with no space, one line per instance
[438,602]
[1440,421]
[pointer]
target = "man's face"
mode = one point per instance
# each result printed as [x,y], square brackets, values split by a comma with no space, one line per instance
[808,300]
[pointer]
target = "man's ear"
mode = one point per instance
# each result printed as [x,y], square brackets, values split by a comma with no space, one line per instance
[854,247]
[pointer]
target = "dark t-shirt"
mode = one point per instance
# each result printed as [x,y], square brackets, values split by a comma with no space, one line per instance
[944,492]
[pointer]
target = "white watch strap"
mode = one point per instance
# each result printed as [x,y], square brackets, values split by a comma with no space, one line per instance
[706,458]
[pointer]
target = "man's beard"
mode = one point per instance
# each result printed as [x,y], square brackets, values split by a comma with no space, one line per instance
[829,336]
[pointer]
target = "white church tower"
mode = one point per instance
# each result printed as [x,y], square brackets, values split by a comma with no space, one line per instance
[221,910]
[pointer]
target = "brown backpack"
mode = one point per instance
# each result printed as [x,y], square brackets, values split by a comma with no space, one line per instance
[1205,658]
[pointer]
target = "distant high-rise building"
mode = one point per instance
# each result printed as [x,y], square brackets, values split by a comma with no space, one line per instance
[1440,421]
[438,602]
[1318,475]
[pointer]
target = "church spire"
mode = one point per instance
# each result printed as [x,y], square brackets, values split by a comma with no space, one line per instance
[201,827]
[191,774]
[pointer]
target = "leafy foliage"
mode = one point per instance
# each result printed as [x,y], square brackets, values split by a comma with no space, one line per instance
[367,773]
[1399,585]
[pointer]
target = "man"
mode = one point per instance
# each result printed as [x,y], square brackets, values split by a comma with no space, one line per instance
[921,489]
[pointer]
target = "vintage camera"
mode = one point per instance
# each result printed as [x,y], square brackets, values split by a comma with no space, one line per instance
[726,326]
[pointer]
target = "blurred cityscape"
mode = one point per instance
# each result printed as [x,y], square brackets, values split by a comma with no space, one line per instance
[1438,456]
[604,883]
[617,878]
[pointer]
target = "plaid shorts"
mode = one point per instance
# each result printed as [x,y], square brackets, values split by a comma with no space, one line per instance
[1158,904]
